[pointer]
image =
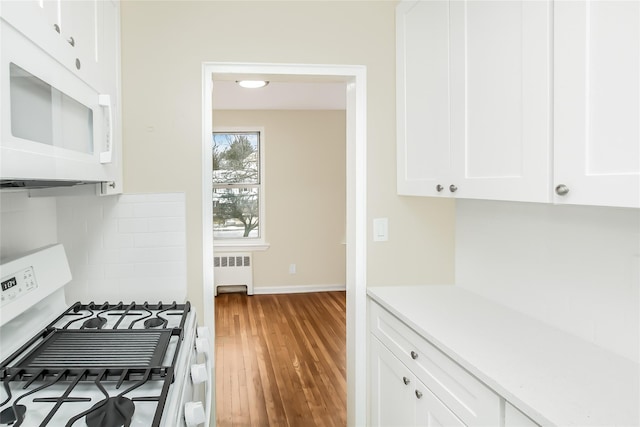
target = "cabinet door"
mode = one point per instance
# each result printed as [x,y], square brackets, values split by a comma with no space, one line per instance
[392,389]
[37,20]
[422,72]
[432,412]
[500,89]
[108,53]
[597,102]
[79,29]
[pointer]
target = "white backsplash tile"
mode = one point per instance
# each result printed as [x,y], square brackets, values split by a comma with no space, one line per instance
[158,209]
[573,267]
[125,248]
[159,239]
[133,225]
[166,224]
[26,223]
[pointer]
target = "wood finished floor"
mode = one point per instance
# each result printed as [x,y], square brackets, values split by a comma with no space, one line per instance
[281,359]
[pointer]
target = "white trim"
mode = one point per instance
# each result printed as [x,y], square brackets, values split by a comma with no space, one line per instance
[208,288]
[355,77]
[298,289]
[240,247]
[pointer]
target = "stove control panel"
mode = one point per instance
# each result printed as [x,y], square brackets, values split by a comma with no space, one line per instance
[17,285]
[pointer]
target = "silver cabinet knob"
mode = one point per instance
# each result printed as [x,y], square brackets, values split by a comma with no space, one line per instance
[453,188]
[562,190]
[71,41]
[57,28]
[418,394]
[406,380]
[414,355]
[439,188]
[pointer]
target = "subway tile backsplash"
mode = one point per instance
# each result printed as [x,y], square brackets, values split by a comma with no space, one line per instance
[126,248]
[26,223]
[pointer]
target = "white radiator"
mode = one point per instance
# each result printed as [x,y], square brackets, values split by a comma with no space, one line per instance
[233,269]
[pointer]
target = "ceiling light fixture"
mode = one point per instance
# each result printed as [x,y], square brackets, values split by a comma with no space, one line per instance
[252,84]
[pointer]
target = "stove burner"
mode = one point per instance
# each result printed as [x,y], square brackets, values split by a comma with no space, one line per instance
[154,322]
[8,417]
[95,323]
[112,412]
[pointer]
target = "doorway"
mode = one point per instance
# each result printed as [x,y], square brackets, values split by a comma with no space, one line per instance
[355,79]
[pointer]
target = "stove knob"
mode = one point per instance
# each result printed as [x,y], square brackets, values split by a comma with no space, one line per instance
[199,373]
[202,332]
[202,345]
[194,413]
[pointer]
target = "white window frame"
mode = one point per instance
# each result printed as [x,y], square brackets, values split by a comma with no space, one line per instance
[249,244]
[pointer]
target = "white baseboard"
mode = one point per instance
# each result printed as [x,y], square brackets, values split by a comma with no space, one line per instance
[262,290]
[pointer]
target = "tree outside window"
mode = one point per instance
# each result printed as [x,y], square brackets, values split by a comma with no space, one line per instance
[236,185]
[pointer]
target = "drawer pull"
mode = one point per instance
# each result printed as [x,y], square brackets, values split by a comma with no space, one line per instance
[418,394]
[414,355]
[406,380]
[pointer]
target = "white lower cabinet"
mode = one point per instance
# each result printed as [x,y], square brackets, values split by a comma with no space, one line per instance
[413,383]
[398,398]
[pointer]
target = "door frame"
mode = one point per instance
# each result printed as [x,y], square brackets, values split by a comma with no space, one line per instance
[356,231]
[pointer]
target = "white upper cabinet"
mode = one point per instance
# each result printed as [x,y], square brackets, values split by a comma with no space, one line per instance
[67,30]
[483,111]
[500,97]
[79,28]
[73,46]
[474,99]
[597,103]
[423,97]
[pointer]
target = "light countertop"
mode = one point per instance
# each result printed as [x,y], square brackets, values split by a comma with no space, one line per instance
[553,377]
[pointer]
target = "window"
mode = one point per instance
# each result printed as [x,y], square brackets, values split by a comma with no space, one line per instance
[237,187]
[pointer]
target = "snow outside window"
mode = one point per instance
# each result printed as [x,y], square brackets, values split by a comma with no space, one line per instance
[237,186]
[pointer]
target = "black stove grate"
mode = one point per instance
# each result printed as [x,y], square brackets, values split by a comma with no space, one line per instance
[72,377]
[105,349]
[118,354]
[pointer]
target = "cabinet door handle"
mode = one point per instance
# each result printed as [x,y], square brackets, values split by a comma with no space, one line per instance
[439,188]
[418,394]
[414,355]
[406,380]
[562,190]
[71,41]
[453,188]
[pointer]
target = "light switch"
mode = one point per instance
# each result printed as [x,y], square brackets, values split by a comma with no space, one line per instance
[380,229]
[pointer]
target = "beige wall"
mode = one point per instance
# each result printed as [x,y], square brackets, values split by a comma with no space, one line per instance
[305,187]
[163,46]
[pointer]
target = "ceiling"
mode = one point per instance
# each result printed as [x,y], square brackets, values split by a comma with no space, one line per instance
[280,95]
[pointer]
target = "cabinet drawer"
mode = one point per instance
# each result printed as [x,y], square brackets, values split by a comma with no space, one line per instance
[472,401]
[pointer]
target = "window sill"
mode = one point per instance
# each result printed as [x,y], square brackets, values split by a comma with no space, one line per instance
[240,247]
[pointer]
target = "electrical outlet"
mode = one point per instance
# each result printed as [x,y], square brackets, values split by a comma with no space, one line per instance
[292,269]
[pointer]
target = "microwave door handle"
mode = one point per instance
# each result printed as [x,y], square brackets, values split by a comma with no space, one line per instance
[104,100]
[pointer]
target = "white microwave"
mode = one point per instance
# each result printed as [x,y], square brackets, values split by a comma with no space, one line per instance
[55,129]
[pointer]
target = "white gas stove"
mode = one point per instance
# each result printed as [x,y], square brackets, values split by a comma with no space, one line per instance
[95,364]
